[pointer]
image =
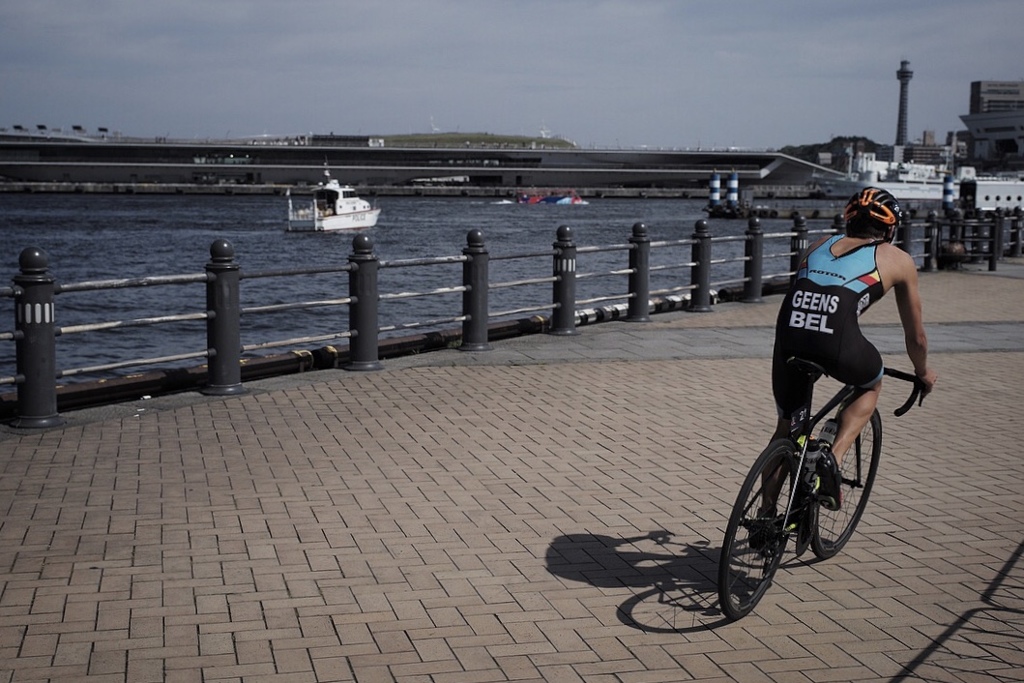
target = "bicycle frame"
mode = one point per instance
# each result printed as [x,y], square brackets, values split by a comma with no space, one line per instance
[804,423]
[756,535]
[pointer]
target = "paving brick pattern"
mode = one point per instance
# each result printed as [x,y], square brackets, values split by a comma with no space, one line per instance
[516,521]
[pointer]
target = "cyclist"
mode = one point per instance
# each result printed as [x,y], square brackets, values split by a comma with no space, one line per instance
[838,278]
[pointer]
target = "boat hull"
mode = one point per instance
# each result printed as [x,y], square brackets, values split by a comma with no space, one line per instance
[357,220]
[550,199]
[907,191]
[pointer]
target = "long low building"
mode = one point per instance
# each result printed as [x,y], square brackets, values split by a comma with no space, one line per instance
[363,161]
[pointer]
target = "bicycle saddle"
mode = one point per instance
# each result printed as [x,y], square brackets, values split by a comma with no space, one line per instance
[807,366]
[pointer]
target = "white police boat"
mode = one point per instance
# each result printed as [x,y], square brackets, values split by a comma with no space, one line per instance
[333,207]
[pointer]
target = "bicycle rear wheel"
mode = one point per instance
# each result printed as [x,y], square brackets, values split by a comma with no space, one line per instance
[756,535]
[860,465]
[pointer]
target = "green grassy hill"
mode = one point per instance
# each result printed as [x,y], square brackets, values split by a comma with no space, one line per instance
[473,140]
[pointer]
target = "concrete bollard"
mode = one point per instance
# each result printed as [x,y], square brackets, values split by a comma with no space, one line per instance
[474,297]
[36,342]
[363,311]
[753,266]
[563,315]
[700,271]
[223,333]
[639,308]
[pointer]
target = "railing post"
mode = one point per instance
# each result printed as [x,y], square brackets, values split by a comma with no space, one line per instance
[797,244]
[700,271]
[996,246]
[956,227]
[931,242]
[1015,233]
[223,335]
[474,297]
[36,342]
[903,236]
[753,267]
[838,224]
[977,244]
[363,290]
[563,315]
[639,275]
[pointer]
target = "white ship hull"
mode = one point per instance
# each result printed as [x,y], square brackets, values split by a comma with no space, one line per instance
[304,220]
[903,191]
[333,207]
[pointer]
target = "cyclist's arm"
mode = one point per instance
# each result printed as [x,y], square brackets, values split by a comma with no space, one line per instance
[908,301]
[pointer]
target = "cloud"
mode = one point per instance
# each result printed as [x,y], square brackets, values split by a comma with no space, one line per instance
[654,72]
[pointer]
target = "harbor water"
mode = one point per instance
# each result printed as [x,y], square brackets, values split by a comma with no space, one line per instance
[103,237]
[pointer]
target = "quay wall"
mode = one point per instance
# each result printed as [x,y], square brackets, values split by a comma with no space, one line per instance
[502,192]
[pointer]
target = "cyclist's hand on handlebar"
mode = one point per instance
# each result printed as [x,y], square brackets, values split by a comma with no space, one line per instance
[928,380]
[923,384]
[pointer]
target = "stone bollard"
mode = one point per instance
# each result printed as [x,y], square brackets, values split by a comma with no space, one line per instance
[639,275]
[700,271]
[474,297]
[36,342]
[563,315]
[363,311]
[223,334]
[753,266]
[797,244]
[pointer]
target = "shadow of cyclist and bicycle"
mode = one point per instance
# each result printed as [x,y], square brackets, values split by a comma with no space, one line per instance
[675,591]
[676,580]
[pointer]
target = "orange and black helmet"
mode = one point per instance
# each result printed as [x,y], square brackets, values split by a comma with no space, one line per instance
[875,209]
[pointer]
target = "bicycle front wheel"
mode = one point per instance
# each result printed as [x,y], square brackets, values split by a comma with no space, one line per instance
[860,465]
[756,535]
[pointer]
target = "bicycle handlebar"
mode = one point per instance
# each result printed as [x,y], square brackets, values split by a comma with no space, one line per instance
[917,394]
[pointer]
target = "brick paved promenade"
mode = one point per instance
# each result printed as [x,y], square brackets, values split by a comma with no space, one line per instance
[466,517]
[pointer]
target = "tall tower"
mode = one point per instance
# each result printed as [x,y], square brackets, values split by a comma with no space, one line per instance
[904,75]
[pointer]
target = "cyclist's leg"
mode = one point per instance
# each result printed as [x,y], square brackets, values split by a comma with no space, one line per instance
[859,364]
[789,389]
[835,527]
[853,420]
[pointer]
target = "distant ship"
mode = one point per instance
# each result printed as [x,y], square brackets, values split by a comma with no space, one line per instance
[569,197]
[906,181]
[935,184]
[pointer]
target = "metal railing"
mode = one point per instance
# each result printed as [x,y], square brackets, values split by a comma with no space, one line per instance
[714,265]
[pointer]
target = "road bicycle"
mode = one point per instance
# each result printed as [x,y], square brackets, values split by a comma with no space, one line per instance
[780,498]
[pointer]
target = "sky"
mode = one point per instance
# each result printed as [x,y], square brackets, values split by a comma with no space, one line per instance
[683,74]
